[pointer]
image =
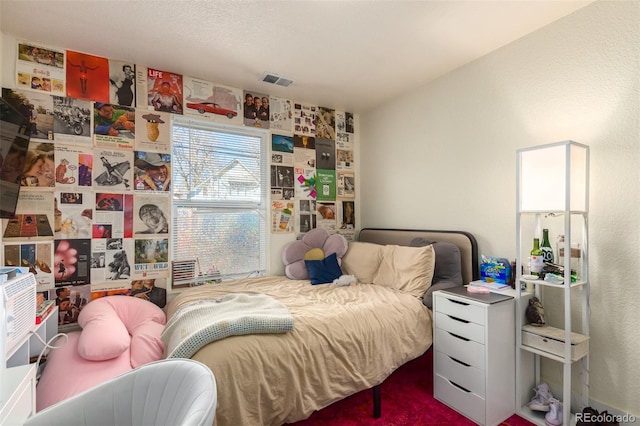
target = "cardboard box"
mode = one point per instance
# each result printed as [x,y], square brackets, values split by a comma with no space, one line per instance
[550,339]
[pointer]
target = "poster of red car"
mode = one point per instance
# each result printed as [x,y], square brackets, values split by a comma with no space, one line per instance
[213,101]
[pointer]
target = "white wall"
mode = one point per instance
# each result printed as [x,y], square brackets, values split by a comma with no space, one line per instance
[443,157]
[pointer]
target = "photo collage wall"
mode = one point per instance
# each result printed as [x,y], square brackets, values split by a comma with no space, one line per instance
[94,214]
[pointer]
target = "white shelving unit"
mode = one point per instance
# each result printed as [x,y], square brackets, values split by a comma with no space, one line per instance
[31,345]
[18,385]
[18,394]
[553,193]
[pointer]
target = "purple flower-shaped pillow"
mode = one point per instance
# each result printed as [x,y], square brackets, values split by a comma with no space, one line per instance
[316,244]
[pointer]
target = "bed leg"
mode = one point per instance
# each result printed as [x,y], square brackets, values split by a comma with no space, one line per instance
[376,402]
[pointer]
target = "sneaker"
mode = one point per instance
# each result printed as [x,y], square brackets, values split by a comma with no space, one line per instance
[542,398]
[554,416]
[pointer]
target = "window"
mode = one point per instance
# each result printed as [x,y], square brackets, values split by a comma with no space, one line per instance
[219,191]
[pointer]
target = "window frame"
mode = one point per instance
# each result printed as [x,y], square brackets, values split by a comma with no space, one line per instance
[262,206]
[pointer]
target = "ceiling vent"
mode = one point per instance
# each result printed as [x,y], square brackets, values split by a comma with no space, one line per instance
[269,77]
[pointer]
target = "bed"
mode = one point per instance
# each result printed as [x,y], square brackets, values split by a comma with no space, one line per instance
[344,339]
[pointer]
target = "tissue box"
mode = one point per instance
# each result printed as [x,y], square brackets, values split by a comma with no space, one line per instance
[496,271]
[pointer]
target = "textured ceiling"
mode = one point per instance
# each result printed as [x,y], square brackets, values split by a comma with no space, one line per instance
[348,55]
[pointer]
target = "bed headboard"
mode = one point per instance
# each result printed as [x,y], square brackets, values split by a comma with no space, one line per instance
[465,241]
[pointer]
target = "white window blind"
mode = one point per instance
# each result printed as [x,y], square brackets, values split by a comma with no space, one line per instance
[220,204]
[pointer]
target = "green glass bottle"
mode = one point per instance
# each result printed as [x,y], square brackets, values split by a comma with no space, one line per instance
[547,250]
[536,264]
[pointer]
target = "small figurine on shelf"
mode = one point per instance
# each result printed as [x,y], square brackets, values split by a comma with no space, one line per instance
[535,312]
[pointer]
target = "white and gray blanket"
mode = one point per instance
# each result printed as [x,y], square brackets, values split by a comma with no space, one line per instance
[199,323]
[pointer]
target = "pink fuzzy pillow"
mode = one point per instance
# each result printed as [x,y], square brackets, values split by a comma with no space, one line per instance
[113,324]
[293,255]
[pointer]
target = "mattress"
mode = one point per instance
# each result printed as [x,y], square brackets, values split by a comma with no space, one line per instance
[345,339]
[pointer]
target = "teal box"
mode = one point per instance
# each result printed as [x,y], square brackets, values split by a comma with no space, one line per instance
[496,270]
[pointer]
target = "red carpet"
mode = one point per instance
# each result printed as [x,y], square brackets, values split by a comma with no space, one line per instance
[407,400]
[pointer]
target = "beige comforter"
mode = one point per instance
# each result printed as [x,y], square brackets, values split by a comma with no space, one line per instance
[344,339]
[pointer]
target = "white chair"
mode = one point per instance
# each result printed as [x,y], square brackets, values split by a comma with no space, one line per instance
[169,392]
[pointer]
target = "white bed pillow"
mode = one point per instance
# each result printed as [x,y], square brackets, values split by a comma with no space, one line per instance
[362,260]
[409,269]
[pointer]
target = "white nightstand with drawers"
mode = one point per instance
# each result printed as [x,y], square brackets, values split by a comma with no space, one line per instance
[474,354]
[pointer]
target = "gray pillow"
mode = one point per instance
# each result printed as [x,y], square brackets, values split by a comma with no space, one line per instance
[448,269]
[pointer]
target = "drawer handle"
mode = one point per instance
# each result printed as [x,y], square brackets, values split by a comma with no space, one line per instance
[459,362]
[458,302]
[460,387]
[459,319]
[459,337]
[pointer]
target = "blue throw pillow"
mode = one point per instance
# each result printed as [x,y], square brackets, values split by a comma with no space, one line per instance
[324,271]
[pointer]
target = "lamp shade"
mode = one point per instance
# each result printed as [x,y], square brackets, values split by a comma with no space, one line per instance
[553,177]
